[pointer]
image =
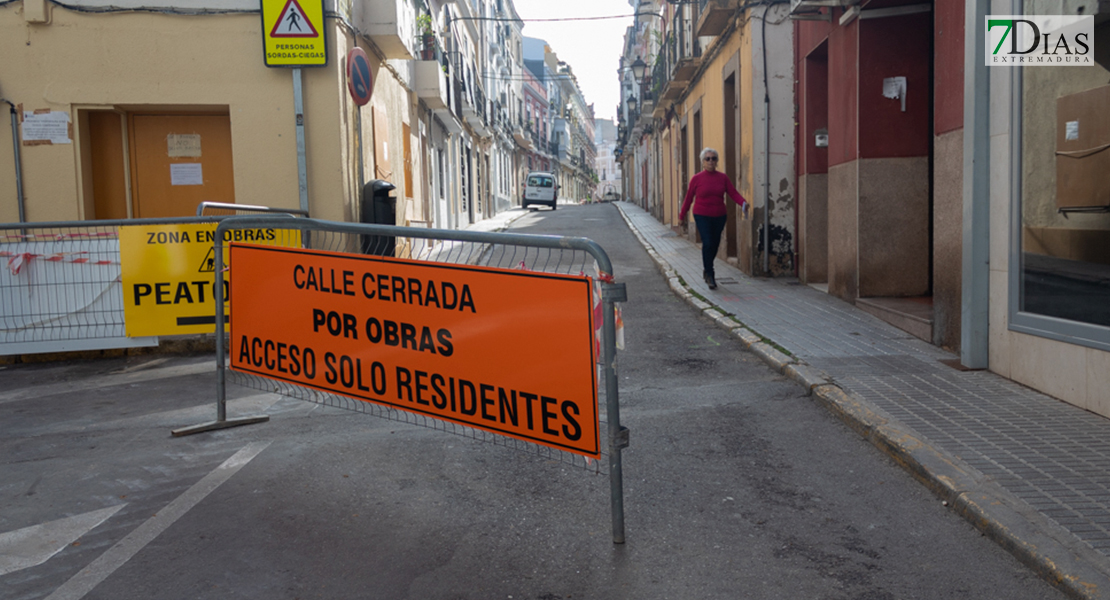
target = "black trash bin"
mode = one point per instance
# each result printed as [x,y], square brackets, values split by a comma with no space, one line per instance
[378,207]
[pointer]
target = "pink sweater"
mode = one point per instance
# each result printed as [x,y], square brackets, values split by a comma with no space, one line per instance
[707,192]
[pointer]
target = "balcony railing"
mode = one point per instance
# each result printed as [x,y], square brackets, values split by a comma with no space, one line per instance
[681,49]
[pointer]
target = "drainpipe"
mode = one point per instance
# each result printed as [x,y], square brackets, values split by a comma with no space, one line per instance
[18,165]
[766,153]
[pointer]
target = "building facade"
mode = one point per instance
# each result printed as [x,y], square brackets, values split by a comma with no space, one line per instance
[711,74]
[444,123]
[960,200]
[608,167]
[952,193]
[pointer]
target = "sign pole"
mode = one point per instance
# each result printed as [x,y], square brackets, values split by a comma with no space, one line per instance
[360,84]
[361,158]
[302,169]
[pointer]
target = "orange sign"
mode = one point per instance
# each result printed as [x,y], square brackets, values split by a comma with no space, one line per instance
[506,351]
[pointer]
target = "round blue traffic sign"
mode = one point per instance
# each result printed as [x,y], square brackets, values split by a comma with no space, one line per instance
[359,82]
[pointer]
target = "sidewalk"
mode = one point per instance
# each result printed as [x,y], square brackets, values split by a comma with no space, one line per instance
[1031,472]
[499,221]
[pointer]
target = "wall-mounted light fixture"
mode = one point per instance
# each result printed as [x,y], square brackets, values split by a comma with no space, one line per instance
[895,89]
[638,68]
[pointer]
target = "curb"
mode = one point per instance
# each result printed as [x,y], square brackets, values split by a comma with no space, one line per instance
[1034,540]
[1047,549]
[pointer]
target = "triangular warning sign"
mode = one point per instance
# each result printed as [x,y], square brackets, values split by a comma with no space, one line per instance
[293,23]
[208,265]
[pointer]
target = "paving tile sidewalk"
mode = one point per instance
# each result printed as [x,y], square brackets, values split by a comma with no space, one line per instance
[1027,469]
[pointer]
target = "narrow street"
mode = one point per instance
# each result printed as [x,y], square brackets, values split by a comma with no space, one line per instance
[736,486]
[775,497]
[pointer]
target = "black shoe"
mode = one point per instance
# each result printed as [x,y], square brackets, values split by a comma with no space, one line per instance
[712,281]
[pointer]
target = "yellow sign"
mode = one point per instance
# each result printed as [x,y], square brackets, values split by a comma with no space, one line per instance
[293,33]
[169,274]
[506,351]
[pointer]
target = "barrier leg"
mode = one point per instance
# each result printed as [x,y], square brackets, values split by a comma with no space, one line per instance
[221,422]
[618,436]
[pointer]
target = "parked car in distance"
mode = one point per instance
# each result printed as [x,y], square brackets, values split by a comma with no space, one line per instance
[540,188]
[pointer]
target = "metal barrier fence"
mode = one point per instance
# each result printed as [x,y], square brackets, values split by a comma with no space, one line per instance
[230,209]
[60,288]
[547,254]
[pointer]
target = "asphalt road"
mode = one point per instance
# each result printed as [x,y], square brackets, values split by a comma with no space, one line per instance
[736,486]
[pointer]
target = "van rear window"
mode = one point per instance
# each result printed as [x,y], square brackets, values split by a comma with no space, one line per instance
[541,182]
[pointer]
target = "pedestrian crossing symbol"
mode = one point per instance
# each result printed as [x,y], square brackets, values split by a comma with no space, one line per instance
[292,23]
[294,32]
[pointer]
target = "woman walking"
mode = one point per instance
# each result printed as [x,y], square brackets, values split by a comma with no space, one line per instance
[707,192]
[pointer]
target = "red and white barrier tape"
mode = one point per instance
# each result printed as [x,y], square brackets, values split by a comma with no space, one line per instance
[58,236]
[16,260]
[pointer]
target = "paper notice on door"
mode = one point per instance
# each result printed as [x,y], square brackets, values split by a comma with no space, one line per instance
[186,174]
[1071,130]
[180,145]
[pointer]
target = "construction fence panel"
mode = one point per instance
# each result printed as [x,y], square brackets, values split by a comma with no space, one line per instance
[61,288]
[519,253]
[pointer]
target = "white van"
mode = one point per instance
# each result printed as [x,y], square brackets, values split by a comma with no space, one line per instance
[540,188]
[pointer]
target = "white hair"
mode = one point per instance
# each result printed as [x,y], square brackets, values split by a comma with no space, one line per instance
[707,150]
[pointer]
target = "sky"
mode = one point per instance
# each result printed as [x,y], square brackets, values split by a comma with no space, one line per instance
[591,48]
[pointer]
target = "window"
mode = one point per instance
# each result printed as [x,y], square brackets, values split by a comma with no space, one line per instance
[439,168]
[1060,263]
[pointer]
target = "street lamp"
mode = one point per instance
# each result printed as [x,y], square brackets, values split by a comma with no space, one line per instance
[632,104]
[638,68]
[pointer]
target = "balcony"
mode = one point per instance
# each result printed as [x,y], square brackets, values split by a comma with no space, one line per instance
[676,64]
[673,90]
[474,113]
[450,123]
[522,139]
[647,103]
[390,24]
[715,15]
[476,118]
[659,111]
[802,6]
[479,126]
[430,84]
[685,68]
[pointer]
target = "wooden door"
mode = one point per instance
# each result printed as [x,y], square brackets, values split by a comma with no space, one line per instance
[179,161]
[108,165]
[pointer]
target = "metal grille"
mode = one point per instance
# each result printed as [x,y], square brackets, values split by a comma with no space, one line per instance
[392,414]
[60,287]
[548,254]
[437,250]
[60,283]
[226,209]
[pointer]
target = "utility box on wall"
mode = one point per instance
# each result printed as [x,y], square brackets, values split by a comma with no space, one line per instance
[1083,149]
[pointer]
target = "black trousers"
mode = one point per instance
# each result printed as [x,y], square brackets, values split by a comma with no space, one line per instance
[710,228]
